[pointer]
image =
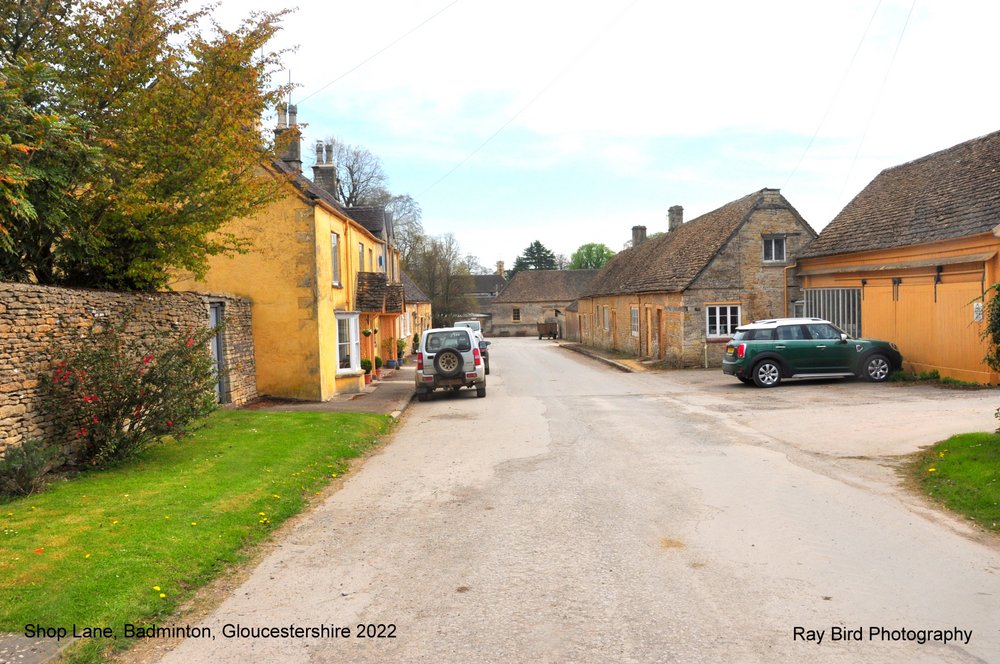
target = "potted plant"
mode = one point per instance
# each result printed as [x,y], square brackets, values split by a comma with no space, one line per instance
[378,368]
[388,351]
[367,332]
[366,365]
[416,342]
[400,347]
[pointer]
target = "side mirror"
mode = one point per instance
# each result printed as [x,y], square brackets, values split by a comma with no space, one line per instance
[483,345]
[843,338]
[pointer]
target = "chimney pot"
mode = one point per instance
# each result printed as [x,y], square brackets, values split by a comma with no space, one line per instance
[638,235]
[282,116]
[675,217]
[293,113]
[319,152]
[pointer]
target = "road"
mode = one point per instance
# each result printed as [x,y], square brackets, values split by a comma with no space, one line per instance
[581,514]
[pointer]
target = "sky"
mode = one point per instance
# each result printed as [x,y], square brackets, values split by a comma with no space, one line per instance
[571,121]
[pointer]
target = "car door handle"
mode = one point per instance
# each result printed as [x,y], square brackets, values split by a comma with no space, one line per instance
[820,347]
[779,348]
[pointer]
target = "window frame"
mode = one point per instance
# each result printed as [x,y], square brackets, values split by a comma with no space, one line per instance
[634,321]
[771,241]
[335,259]
[515,314]
[353,342]
[730,326]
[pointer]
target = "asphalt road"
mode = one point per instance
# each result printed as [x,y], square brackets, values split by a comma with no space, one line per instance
[580,514]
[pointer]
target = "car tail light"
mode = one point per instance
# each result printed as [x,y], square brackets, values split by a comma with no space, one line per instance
[741,351]
[420,361]
[478,356]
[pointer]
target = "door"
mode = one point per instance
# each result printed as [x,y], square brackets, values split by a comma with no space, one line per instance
[831,352]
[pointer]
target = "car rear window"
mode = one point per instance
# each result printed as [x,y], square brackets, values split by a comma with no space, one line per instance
[456,339]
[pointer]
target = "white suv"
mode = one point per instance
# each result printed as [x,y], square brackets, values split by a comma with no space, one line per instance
[449,357]
[477,329]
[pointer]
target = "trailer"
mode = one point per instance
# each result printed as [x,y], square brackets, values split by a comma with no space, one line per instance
[550,330]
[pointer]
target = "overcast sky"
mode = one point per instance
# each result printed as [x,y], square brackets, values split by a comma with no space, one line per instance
[570,121]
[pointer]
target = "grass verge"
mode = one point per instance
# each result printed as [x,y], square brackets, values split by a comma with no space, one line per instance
[963,473]
[128,545]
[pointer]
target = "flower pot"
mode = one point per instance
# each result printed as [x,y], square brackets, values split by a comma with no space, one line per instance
[368,379]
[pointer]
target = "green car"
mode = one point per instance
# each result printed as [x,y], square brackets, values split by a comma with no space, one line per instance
[767,351]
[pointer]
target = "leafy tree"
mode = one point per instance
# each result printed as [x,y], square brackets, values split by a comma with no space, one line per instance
[591,256]
[169,114]
[535,257]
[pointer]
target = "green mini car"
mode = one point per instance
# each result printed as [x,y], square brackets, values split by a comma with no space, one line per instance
[767,351]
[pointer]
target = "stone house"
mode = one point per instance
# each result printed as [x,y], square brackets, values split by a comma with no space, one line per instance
[313,276]
[911,257]
[537,296]
[679,296]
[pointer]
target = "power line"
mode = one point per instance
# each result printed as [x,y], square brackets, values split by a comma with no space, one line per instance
[878,97]
[551,82]
[836,95]
[382,50]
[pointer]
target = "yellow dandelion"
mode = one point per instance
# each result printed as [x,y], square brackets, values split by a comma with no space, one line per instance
[156,588]
[932,470]
[194,523]
[166,517]
[261,514]
[940,455]
[333,474]
[87,556]
[272,495]
[114,522]
[162,595]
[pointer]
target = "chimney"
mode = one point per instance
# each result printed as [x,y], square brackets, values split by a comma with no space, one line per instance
[286,137]
[325,171]
[638,235]
[675,217]
[500,270]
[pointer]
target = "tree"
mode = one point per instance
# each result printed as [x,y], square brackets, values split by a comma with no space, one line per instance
[437,266]
[169,114]
[407,230]
[360,178]
[535,257]
[591,256]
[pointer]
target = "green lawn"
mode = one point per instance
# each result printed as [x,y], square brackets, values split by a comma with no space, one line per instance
[963,473]
[129,544]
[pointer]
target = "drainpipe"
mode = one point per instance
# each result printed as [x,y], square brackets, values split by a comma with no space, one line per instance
[787,268]
[705,350]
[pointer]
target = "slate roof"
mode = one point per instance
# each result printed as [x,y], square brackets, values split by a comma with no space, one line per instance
[412,291]
[948,194]
[670,262]
[546,286]
[374,218]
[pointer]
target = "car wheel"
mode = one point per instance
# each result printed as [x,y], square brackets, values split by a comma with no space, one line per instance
[448,363]
[767,373]
[423,395]
[481,391]
[745,381]
[877,368]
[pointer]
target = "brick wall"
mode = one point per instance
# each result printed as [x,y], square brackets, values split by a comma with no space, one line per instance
[33,319]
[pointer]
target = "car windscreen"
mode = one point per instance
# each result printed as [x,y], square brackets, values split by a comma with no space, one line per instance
[459,340]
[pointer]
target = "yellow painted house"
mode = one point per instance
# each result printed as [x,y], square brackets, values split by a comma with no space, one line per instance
[911,257]
[315,284]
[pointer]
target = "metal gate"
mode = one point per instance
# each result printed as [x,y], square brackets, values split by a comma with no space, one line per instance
[215,318]
[840,306]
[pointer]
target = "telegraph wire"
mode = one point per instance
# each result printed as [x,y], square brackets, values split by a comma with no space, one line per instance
[836,95]
[381,50]
[551,82]
[878,98]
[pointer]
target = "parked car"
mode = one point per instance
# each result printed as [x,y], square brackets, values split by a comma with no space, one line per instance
[484,346]
[767,351]
[449,358]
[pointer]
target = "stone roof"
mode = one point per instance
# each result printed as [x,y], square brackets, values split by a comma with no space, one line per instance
[948,194]
[374,218]
[487,283]
[670,262]
[546,286]
[411,290]
[376,295]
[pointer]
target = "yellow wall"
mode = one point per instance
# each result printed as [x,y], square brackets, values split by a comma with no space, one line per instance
[933,324]
[287,273]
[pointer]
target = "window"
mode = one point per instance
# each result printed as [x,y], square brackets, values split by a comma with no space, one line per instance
[517,315]
[774,250]
[348,342]
[335,257]
[381,263]
[634,318]
[722,319]
[361,257]
[607,319]
[371,261]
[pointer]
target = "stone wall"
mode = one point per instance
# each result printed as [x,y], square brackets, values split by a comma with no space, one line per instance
[34,319]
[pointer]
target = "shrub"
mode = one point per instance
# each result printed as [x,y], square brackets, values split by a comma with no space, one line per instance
[22,468]
[110,400]
[378,362]
[366,365]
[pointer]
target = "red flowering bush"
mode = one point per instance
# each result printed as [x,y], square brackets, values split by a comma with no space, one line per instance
[111,400]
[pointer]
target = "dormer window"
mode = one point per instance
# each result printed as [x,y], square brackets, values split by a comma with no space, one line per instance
[774,249]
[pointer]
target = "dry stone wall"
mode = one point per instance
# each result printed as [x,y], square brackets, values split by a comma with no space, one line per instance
[35,319]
